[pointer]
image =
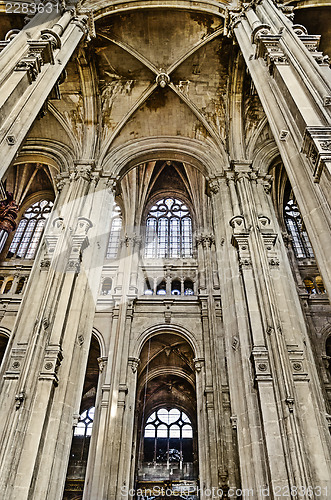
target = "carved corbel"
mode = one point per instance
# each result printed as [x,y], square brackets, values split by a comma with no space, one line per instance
[311,42]
[198,364]
[240,241]
[42,47]
[83,169]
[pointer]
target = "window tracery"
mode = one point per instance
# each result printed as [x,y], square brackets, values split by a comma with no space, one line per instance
[29,231]
[168,230]
[168,437]
[115,233]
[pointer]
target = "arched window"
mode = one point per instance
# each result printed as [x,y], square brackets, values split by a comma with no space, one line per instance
[295,226]
[29,231]
[8,285]
[168,230]
[115,233]
[168,437]
[175,287]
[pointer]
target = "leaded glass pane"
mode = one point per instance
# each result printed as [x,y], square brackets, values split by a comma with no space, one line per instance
[168,230]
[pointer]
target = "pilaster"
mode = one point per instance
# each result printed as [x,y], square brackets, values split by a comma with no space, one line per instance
[283,60]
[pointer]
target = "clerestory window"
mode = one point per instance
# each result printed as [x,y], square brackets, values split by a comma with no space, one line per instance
[295,226]
[115,233]
[29,231]
[168,230]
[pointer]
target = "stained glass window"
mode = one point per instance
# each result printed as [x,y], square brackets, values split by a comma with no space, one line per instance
[295,226]
[168,230]
[29,231]
[115,233]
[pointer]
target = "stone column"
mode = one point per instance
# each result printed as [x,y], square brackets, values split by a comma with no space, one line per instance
[50,344]
[293,84]
[288,390]
[245,422]
[112,467]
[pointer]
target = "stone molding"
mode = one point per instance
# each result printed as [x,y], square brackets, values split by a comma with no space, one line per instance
[317,148]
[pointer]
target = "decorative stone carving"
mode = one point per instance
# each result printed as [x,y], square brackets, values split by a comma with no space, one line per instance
[19,398]
[290,403]
[317,147]
[198,364]
[297,361]
[283,135]
[43,48]
[162,79]
[8,213]
[206,240]
[102,362]
[16,362]
[268,48]
[262,29]
[235,343]
[133,363]
[52,360]
[213,186]
[238,223]
[242,245]
[11,140]
[260,359]
[32,65]
[234,422]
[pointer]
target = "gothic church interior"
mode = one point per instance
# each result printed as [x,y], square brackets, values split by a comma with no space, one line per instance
[165,266]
